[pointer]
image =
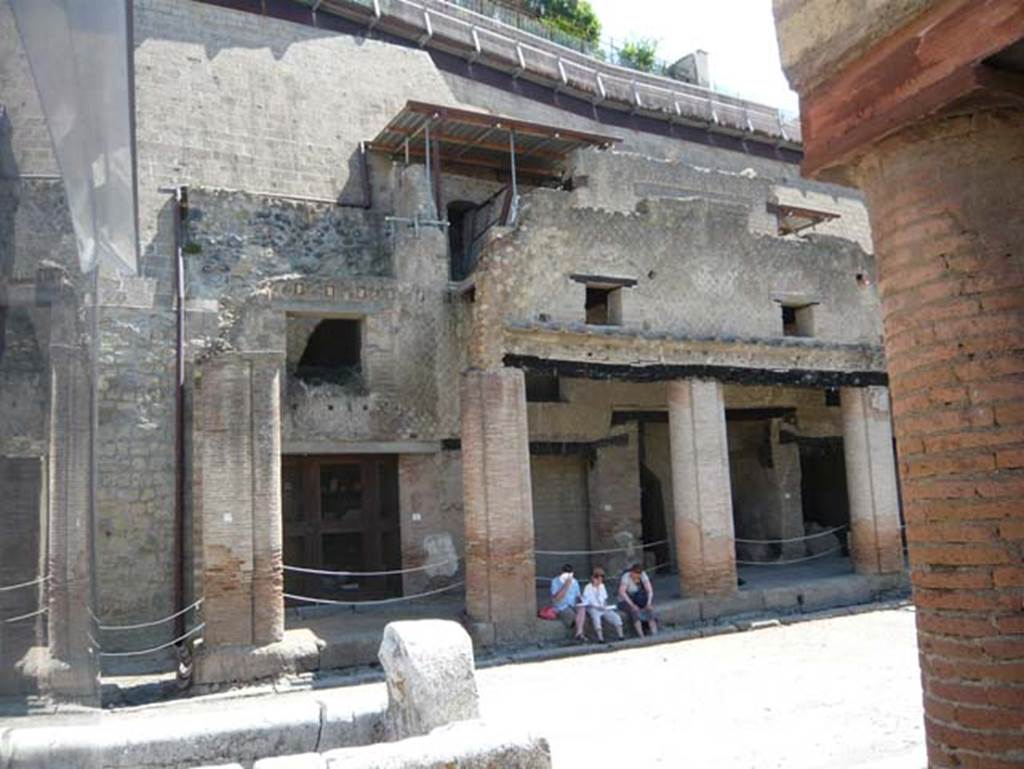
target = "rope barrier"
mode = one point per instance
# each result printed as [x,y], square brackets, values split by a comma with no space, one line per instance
[414,569]
[791,560]
[154,623]
[546,580]
[379,602]
[601,552]
[155,649]
[20,617]
[35,581]
[791,539]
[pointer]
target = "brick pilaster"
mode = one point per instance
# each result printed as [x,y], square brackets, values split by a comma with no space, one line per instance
[705,538]
[72,672]
[500,570]
[240,458]
[875,543]
[948,219]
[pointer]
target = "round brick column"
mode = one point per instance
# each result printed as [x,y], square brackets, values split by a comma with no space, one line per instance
[947,213]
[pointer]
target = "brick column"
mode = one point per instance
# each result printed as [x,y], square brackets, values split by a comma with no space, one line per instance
[500,570]
[875,543]
[72,669]
[948,220]
[239,457]
[705,539]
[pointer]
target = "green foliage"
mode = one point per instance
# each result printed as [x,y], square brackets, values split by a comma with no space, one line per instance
[639,54]
[573,17]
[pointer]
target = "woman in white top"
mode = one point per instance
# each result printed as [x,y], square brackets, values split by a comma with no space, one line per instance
[595,601]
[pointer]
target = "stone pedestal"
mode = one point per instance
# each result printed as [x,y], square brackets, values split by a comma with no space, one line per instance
[238,466]
[705,539]
[875,543]
[500,570]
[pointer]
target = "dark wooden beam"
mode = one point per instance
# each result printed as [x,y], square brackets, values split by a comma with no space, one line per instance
[929,65]
[792,377]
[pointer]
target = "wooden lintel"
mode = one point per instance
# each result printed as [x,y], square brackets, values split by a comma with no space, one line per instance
[929,65]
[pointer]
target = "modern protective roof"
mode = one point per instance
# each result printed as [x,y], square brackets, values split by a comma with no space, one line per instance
[469,139]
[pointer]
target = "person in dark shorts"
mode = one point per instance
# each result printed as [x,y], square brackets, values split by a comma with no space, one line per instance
[636,598]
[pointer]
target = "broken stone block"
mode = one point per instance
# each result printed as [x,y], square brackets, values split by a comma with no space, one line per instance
[430,676]
[466,745]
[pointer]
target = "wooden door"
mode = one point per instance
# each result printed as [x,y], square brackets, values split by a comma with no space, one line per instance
[341,514]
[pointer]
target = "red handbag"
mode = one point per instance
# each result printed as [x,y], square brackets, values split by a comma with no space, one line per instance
[548,612]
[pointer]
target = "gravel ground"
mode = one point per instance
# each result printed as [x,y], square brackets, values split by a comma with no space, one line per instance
[843,692]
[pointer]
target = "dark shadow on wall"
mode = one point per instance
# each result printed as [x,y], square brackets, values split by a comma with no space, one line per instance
[823,482]
[652,512]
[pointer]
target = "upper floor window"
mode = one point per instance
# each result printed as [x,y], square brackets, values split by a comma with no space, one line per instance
[333,353]
[798,320]
[602,304]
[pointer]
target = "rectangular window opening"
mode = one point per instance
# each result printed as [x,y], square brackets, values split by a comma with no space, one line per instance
[798,320]
[542,388]
[603,306]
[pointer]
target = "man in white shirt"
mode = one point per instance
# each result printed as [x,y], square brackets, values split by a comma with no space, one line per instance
[565,600]
[595,601]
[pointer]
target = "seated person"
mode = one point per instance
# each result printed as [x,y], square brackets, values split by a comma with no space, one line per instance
[595,601]
[565,599]
[636,598]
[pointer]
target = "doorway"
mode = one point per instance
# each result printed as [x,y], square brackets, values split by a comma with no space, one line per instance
[340,513]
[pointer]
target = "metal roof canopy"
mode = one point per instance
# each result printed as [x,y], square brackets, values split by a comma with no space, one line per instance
[467,139]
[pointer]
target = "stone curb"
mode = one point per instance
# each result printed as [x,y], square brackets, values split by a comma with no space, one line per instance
[209,735]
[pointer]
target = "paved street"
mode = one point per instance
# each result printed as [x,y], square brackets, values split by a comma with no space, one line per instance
[843,692]
[839,693]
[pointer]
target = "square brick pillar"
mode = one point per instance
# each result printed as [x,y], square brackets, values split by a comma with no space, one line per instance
[71,670]
[500,570]
[705,538]
[875,543]
[239,459]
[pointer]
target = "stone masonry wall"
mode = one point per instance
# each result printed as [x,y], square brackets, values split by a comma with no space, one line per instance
[694,262]
[231,100]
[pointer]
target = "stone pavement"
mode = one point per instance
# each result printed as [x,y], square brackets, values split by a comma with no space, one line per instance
[840,692]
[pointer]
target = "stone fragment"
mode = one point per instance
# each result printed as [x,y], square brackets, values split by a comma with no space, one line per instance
[466,745]
[430,676]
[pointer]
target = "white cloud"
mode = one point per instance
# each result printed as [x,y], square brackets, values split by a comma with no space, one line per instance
[739,35]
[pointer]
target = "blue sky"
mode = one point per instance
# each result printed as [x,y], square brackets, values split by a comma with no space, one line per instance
[739,35]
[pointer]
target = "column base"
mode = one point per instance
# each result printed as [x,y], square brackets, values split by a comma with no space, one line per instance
[298,652]
[59,680]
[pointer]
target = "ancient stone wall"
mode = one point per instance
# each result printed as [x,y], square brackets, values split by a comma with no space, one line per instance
[231,101]
[693,261]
